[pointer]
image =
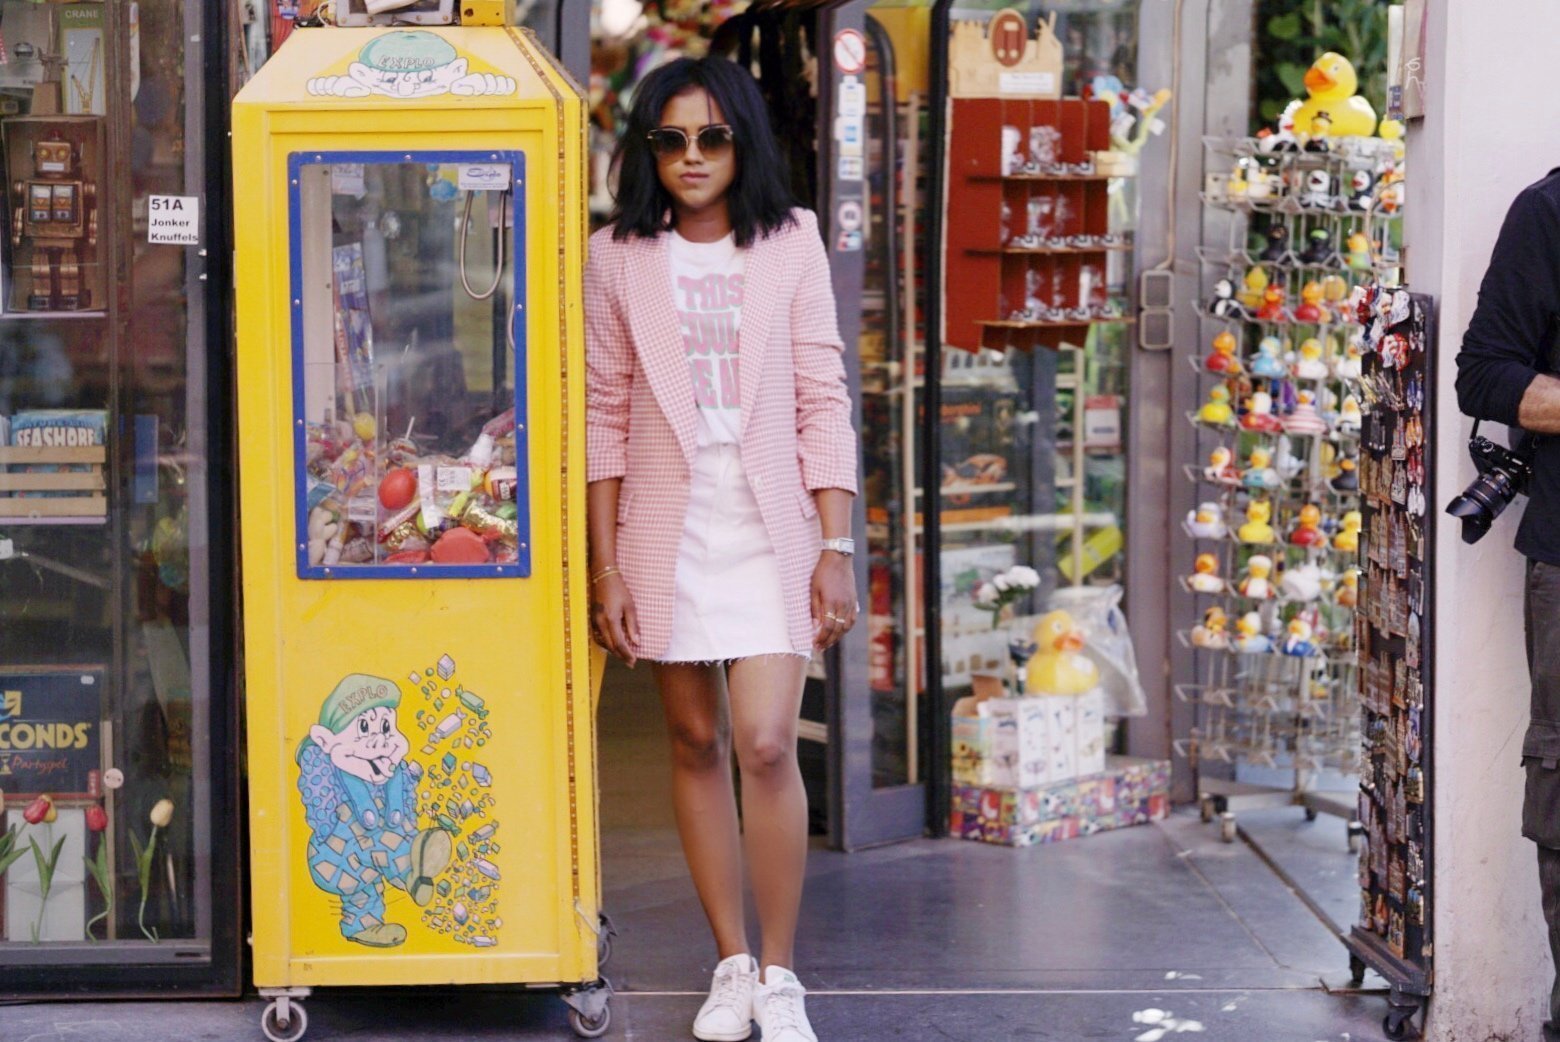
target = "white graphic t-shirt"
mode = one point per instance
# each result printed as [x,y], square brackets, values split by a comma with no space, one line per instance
[707,288]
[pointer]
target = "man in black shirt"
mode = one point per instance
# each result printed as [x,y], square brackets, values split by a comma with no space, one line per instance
[1503,375]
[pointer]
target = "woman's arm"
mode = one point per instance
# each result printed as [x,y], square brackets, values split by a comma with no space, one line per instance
[609,379]
[826,441]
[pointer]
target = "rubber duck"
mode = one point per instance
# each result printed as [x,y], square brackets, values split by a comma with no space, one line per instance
[1317,192]
[1259,415]
[1205,575]
[1207,521]
[1305,421]
[1349,418]
[1259,184]
[1277,243]
[1310,365]
[1392,130]
[1216,410]
[1256,284]
[1236,187]
[1308,530]
[1298,642]
[1223,359]
[1256,529]
[1335,291]
[1272,309]
[1260,474]
[1389,197]
[1331,84]
[1221,467]
[1351,364]
[1302,583]
[1249,636]
[1348,477]
[1358,257]
[1060,667]
[1348,592]
[1321,129]
[1268,362]
[1310,307]
[1224,304]
[1362,190]
[1213,631]
[1287,462]
[1348,537]
[1319,250]
[1256,584]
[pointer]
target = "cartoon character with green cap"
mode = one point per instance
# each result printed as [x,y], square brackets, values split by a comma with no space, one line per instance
[360,796]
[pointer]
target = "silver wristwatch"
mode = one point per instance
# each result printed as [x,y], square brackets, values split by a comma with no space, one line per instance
[847,547]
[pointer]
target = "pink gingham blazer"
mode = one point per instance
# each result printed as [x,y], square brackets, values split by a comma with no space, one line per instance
[641,423]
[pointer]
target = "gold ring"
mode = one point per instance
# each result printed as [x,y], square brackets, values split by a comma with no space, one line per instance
[831,615]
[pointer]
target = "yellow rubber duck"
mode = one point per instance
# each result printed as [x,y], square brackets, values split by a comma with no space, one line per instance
[1060,667]
[1256,283]
[1331,83]
[1348,537]
[1259,512]
[1216,410]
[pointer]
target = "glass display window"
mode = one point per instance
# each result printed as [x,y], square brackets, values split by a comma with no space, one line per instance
[409,363]
[118,817]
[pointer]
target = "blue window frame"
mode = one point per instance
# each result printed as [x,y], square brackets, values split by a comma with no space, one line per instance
[503,524]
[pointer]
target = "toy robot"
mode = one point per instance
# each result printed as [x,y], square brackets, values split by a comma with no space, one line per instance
[56,216]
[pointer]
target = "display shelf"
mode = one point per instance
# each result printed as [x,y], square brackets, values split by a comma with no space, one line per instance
[52,316]
[1015,323]
[1020,178]
[1048,251]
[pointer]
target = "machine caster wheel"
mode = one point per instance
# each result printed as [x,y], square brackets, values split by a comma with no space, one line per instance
[589,1013]
[1399,1025]
[1310,814]
[1227,830]
[1356,971]
[593,1027]
[1205,808]
[284,1027]
[604,941]
[1356,832]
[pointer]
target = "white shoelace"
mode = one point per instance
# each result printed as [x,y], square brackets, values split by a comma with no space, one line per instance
[783,1008]
[728,988]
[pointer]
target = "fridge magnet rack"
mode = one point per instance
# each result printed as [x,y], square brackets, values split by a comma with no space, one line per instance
[1393,933]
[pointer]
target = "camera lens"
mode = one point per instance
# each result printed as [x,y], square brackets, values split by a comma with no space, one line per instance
[1481,503]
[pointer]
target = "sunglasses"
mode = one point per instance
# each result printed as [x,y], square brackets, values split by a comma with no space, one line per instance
[670,143]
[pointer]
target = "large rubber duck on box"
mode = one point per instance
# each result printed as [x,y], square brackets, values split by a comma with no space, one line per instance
[1332,84]
[1060,667]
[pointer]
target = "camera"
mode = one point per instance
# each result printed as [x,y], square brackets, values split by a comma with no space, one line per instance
[1503,476]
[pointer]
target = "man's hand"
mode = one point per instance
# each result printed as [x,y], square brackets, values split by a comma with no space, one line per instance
[1540,408]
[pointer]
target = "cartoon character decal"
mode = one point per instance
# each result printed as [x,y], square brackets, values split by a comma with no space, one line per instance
[411,64]
[378,819]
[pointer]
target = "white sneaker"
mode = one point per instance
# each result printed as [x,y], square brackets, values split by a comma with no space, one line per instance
[780,1007]
[727,1015]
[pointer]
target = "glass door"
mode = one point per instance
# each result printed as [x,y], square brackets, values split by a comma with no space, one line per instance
[119,858]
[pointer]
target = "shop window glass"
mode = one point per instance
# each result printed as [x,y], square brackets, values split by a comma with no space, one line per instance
[410,429]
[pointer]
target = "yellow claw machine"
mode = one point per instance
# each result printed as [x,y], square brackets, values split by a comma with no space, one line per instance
[421,738]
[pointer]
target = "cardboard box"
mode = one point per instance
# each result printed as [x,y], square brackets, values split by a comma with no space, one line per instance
[1129,792]
[1026,742]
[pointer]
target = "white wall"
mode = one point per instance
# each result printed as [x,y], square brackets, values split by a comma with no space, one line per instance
[1492,126]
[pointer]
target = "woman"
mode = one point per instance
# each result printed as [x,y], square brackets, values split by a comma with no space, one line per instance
[721,466]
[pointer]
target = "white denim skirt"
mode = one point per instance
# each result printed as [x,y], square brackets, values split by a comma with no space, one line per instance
[729,601]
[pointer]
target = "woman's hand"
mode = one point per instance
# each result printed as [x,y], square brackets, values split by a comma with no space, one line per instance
[833,599]
[612,619]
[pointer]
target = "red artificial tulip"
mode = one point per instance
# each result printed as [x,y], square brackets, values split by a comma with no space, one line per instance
[37,810]
[97,818]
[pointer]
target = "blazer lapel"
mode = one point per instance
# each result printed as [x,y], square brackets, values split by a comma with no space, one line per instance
[758,303]
[651,310]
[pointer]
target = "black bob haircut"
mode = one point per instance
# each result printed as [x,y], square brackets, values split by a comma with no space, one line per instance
[759,199]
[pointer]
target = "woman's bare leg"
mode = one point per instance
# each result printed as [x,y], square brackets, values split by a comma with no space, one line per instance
[693,699]
[766,702]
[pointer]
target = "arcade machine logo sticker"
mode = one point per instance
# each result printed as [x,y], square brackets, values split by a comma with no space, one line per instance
[408,65]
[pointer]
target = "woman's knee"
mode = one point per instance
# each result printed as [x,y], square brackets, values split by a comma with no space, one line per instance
[702,745]
[767,753]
